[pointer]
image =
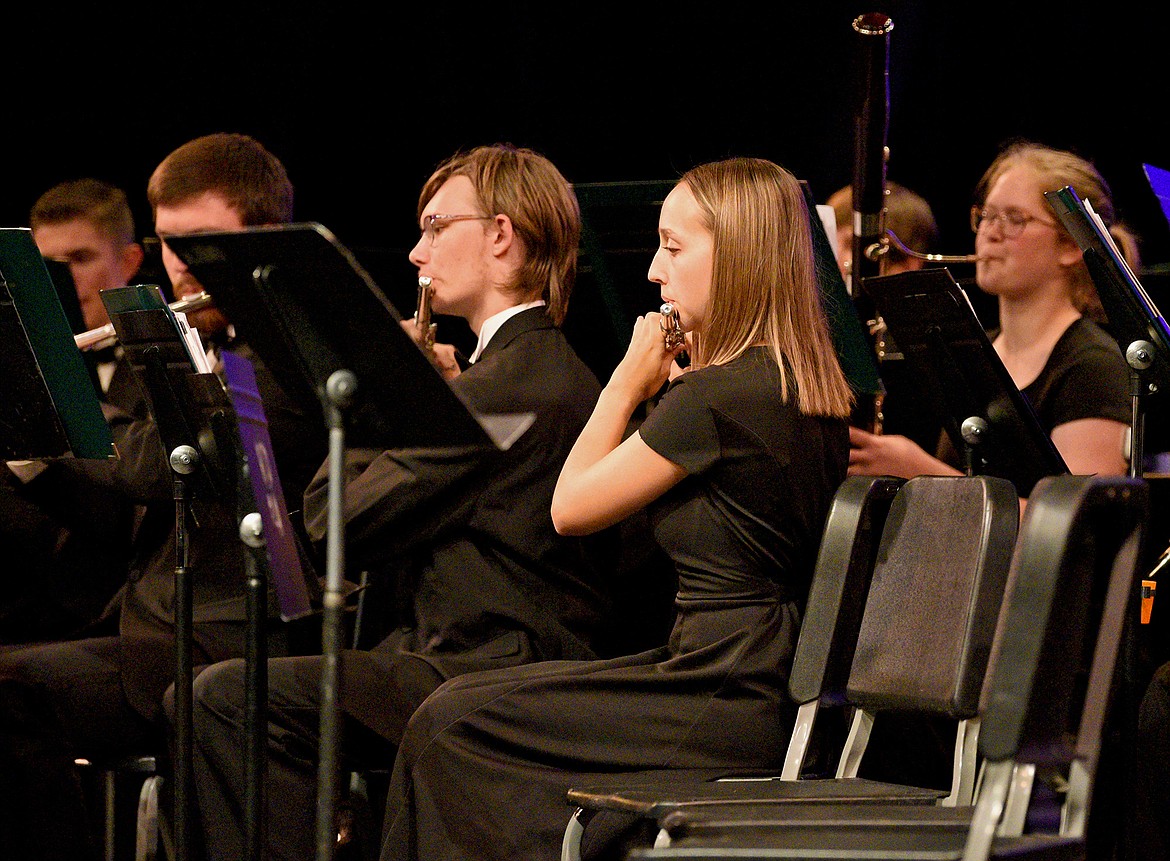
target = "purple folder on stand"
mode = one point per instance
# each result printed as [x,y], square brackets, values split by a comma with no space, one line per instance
[284,561]
[1159,180]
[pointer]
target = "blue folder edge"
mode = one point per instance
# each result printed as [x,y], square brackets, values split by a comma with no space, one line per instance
[1159,180]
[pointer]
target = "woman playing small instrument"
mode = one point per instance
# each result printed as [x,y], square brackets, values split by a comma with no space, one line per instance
[736,465]
[1068,368]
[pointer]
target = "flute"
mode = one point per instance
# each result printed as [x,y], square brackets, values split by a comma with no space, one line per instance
[422,315]
[673,334]
[105,336]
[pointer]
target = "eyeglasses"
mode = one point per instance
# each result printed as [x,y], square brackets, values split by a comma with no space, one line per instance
[432,225]
[1011,221]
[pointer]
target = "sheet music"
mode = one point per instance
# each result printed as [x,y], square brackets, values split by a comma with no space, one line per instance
[48,405]
[966,296]
[1109,241]
[199,356]
[149,298]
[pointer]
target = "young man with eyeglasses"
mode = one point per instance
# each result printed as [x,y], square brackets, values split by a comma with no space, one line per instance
[466,569]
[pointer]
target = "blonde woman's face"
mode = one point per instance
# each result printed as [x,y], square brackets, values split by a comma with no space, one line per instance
[684,262]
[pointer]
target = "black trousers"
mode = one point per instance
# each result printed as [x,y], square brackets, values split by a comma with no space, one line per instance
[293,738]
[1150,794]
[59,701]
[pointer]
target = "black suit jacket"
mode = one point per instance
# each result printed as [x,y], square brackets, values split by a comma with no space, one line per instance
[465,539]
[65,543]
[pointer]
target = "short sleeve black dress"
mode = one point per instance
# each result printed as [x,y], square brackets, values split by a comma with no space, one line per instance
[743,530]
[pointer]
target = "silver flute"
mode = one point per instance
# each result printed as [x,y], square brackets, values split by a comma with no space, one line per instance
[422,314]
[105,336]
[672,333]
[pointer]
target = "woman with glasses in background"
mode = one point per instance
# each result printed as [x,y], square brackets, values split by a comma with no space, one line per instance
[1070,370]
[1068,367]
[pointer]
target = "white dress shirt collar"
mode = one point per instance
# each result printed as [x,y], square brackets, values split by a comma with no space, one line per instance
[493,323]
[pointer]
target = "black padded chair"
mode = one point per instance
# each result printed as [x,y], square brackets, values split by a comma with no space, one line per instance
[1043,709]
[944,551]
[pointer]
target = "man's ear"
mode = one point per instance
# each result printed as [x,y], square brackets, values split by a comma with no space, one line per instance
[132,257]
[505,235]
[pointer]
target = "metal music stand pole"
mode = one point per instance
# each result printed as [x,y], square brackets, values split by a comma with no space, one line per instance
[255,685]
[271,559]
[340,390]
[184,459]
[1140,358]
[181,404]
[973,431]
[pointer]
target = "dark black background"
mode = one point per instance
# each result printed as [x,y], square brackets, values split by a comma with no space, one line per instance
[361,102]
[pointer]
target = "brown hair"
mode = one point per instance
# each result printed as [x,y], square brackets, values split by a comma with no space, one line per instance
[98,202]
[528,188]
[249,178]
[1056,169]
[764,287]
[907,215]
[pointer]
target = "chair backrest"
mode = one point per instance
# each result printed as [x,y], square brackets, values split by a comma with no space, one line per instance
[828,632]
[937,587]
[840,584]
[1059,635]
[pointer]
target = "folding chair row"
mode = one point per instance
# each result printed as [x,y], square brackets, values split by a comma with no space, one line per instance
[1043,708]
[900,618]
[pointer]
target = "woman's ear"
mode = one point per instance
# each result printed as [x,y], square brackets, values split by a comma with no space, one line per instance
[1068,253]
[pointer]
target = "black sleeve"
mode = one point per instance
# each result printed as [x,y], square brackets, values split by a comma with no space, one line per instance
[680,427]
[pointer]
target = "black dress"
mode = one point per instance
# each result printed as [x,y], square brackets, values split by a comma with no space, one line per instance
[486,761]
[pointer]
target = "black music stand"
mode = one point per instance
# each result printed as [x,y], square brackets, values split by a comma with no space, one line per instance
[334,342]
[947,352]
[198,431]
[48,404]
[1144,338]
[854,351]
[1134,320]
